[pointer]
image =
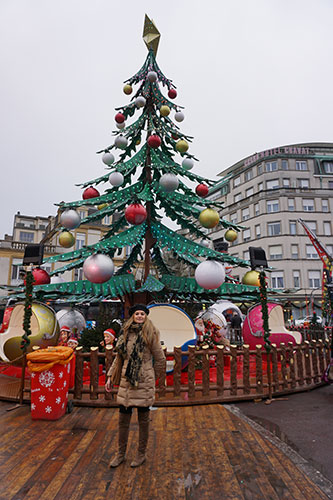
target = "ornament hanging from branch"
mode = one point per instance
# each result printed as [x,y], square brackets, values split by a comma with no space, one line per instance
[120,118]
[127,89]
[140,102]
[70,219]
[210,274]
[98,268]
[202,190]
[154,141]
[182,146]
[179,116]
[230,235]
[120,142]
[135,214]
[66,239]
[209,218]
[187,163]
[169,182]
[172,93]
[90,192]
[108,158]
[116,179]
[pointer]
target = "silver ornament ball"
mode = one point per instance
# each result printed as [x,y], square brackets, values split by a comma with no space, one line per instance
[98,268]
[116,179]
[179,116]
[108,158]
[70,219]
[120,142]
[152,76]
[169,182]
[210,274]
[140,102]
[120,125]
[187,163]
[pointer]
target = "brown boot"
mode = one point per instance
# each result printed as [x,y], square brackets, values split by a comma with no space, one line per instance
[123,430]
[143,418]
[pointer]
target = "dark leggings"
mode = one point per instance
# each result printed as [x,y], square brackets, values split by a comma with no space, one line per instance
[128,411]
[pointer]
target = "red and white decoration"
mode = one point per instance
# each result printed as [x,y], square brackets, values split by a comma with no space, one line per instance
[135,214]
[154,141]
[202,190]
[120,125]
[98,268]
[172,93]
[116,179]
[210,274]
[49,392]
[108,158]
[90,192]
[70,219]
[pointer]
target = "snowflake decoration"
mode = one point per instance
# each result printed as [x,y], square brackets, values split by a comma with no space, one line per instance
[48,409]
[68,367]
[41,398]
[33,375]
[63,405]
[61,374]
[65,383]
[58,400]
[33,406]
[46,379]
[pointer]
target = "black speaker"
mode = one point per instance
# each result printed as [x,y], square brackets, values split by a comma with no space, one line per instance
[33,254]
[257,257]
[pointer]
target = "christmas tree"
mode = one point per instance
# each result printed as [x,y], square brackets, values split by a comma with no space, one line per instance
[148,181]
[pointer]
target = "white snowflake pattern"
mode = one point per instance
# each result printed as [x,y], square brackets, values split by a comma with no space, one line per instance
[68,367]
[63,405]
[65,383]
[48,409]
[33,375]
[61,374]
[41,398]
[33,406]
[58,400]
[46,379]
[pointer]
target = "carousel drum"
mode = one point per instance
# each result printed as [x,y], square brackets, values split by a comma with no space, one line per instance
[44,327]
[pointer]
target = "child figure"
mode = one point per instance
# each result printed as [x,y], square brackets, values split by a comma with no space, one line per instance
[65,333]
[109,337]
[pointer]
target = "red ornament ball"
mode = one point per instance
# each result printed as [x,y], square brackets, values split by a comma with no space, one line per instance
[154,141]
[202,190]
[120,118]
[90,192]
[172,93]
[41,277]
[135,214]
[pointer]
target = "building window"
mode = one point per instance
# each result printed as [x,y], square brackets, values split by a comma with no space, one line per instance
[107,220]
[237,181]
[311,252]
[233,218]
[314,279]
[82,214]
[271,166]
[285,182]
[294,251]
[80,240]
[275,252]
[260,186]
[17,270]
[245,213]
[284,165]
[273,206]
[256,209]
[303,183]
[308,205]
[274,228]
[237,197]
[249,192]
[330,249]
[248,175]
[246,255]
[259,169]
[258,232]
[26,237]
[291,204]
[273,184]
[297,279]
[78,274]
[324,205]
[246,234]
[301,165]
[277,279]
[292,227]
[330,184]
[328,167]
[312,225]
[327,229]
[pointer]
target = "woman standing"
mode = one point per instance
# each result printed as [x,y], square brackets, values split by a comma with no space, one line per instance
[143,360]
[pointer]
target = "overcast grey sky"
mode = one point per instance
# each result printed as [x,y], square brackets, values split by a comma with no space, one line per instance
[252,74]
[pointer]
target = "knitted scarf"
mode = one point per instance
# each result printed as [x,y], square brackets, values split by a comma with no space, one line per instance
[136,356]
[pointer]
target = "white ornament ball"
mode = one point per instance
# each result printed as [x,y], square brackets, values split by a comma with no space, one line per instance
[169,182]
[140,102]
[179,116]
[187,163]
[70,219]
[108,158]
[98,268]
[120,142]
[152,76]
[57,279]
[205,243]
[116,179]
[210,274]
[120,125]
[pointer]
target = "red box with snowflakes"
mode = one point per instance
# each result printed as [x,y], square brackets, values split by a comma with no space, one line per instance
[49,392]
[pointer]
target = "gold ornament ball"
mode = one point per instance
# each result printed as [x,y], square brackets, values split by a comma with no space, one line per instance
[66,239]
[251,278]
[209,218]
[138,142]
[182,146]
[101,206]
[164,110]
[127,89]
[230,235]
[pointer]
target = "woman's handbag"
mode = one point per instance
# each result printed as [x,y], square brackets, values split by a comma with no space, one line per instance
[116,370]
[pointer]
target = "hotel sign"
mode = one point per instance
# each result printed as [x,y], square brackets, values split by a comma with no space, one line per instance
[285,150]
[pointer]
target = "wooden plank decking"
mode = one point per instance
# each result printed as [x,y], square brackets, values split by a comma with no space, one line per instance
[196,452]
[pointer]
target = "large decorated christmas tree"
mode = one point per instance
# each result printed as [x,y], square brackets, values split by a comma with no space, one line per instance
[148,182]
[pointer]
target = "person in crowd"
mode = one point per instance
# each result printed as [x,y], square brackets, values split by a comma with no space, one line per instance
[109,337]
[140,351]
[236,320]
[65,333]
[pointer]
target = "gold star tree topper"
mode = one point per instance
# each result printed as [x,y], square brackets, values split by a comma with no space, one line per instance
[151,35]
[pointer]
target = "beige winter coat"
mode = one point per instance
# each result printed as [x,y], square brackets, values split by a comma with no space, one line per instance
[144,393]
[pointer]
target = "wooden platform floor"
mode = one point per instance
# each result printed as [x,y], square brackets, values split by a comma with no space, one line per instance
[199,452]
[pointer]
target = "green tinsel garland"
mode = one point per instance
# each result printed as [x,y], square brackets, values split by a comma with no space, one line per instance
[264,310]
[29,280]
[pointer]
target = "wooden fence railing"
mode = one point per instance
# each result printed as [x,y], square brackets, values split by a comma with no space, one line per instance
[214,376]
